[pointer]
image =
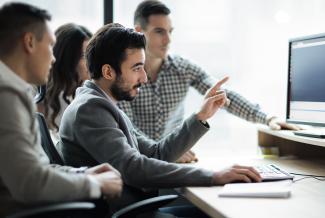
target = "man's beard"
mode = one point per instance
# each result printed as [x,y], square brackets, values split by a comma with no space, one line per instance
[119,93]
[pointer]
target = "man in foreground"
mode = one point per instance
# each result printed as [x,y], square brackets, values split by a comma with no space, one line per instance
[93,130]
[26,177]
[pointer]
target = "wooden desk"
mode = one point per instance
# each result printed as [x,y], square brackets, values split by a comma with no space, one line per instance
[290,144]
[307,196]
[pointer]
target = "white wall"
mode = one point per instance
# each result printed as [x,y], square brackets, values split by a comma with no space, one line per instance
[84,12]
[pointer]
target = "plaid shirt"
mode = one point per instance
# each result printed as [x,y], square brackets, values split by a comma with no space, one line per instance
[159,107]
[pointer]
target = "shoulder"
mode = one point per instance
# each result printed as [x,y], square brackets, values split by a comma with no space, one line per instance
[16,108]
[182,64]
[93,107]
[11,97]
[178,61]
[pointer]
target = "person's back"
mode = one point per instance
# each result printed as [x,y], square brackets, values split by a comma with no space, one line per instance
[26,177]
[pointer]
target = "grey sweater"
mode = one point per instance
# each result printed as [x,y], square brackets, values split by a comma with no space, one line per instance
[26,177]
[93,130]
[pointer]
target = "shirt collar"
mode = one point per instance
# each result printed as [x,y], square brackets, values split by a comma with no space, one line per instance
[168,63]
[99,89]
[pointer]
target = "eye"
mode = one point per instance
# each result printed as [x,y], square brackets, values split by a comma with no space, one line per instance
[136,69]
[159,31]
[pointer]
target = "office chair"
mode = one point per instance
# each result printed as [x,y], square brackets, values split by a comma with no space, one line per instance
[41,91]
[60,210]
[47,143]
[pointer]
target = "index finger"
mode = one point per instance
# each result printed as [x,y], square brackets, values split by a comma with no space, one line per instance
[220,83]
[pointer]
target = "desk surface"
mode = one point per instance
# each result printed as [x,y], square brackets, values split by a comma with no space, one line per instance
[307,196]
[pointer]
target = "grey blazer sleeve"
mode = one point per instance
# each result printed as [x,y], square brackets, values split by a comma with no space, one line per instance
[102,138]
[176,143]
[24,167]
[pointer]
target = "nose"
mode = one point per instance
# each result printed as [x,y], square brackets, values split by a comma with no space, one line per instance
[167,38]
[53,59]
[144,78]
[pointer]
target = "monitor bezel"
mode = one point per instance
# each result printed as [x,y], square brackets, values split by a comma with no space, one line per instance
[288,119]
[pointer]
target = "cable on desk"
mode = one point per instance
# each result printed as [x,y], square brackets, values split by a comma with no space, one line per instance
[308,176]
[311,175]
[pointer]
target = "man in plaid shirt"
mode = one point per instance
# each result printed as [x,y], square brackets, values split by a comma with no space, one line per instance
[159,107]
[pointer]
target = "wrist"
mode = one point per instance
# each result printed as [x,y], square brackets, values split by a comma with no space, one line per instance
[204,123]
[200,117]
[79,170]
[269,119]
[94,187]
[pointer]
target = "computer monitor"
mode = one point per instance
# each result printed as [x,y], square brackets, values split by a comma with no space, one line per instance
[306,80]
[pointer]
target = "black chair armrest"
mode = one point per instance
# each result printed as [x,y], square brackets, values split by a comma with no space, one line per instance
[71,209]
[144,206]
[41,91]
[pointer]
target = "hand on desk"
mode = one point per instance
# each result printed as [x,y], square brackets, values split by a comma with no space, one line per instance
[108,178]
[236,173]
[188,157]
[276,124]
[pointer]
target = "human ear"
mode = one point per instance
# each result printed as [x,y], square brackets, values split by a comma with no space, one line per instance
[29,42]
[108,72]
[138,28]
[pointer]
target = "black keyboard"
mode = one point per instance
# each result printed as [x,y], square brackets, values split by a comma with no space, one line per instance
[271,172]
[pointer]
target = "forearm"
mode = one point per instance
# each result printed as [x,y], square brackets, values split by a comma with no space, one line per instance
[175,144]
[244,109]
[31,180]
[160,174]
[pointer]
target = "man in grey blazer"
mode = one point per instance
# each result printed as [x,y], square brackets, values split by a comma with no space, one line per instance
[26,177]
[94,130]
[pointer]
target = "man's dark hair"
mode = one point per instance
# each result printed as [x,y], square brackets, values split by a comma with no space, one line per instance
[147,8]
[18,18]
[108,46]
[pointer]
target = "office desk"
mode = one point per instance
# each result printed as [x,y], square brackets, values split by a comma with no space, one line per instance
[307,196]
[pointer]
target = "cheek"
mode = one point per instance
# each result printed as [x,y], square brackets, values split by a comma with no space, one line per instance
[82,70]
[47,57]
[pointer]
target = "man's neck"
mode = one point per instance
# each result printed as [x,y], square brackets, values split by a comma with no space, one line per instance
[105,88]
[16,65]
[152,67]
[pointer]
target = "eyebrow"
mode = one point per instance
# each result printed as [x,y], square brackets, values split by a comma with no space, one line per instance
[137,64]
[160,28]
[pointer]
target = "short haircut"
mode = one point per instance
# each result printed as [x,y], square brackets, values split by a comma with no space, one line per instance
[18,18]
[108,46]
[147,8]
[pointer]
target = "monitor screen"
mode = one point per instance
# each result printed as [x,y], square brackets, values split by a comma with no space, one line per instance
[306,80]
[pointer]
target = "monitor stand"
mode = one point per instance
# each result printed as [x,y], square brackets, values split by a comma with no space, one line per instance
[315,133]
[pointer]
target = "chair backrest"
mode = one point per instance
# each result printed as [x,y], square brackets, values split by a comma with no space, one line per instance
[47,143]
[40,95]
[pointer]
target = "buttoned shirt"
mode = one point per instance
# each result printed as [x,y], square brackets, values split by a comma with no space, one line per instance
[159,107]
